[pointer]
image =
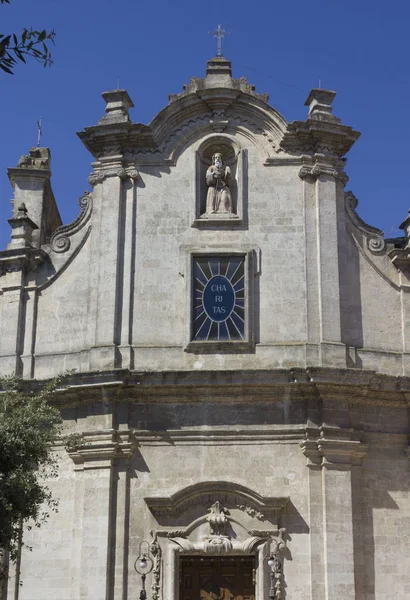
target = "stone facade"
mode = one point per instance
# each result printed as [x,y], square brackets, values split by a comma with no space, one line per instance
[282,435]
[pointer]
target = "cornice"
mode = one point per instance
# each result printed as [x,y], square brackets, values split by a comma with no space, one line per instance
[98,449]
[21,259]
[313,135]
[354,386]
[215,435]
[333,448]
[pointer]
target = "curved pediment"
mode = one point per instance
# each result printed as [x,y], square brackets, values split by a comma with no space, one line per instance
[214,104]
[209,492]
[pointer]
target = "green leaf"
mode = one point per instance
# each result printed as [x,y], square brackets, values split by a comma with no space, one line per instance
[4,68]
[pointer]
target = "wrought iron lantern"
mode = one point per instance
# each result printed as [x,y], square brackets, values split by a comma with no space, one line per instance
[143,565]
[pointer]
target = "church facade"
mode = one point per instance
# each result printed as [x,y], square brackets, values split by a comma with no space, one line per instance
[238,342]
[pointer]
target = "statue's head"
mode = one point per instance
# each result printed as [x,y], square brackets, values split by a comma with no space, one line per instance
[217,160]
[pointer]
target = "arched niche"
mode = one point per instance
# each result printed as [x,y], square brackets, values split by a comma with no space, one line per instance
[234,157]
[219,519]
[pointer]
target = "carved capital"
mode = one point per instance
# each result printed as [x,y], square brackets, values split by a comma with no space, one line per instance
[99,176]
[316,171]
[304,172]
[95,178]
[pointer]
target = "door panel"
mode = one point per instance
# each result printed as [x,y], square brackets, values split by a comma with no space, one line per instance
[228,578]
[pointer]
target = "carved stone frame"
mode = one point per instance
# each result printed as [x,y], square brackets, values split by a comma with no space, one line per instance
[252,269]
[261,549]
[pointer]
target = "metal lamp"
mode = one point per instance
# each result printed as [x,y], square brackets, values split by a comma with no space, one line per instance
[143,565]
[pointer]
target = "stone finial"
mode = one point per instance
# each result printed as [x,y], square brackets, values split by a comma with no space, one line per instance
[218,75]
[38,158]
[118,104]
[406,228]
[320,105]
[219,66]
[22,229]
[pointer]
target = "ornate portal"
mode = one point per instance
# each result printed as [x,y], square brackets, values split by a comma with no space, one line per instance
[218,541]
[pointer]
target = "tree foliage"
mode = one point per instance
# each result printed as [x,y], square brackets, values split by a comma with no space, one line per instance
[29,44]
[29,425]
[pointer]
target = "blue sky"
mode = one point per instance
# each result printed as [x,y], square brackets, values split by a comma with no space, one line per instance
[359,48]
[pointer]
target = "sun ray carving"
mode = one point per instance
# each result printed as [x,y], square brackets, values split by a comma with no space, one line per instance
[219,299]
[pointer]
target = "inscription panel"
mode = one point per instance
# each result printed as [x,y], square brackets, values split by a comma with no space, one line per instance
[218,312]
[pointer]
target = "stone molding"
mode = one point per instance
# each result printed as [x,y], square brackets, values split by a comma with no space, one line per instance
[254,436]
[21,259]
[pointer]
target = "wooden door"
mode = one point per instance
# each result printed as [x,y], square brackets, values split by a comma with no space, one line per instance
[228,578]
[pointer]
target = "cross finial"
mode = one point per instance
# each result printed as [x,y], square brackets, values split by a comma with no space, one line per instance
[219,33]
[39,132]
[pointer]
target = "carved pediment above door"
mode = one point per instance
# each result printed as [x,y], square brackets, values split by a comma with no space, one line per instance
[192,500]
[218,518]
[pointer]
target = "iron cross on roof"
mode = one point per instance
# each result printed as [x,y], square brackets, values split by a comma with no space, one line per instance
[219,33]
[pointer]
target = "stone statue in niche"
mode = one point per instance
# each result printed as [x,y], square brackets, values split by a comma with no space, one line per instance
[218,180]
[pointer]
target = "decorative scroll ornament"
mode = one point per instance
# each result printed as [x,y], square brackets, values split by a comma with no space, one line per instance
[304,172]
[316,171]
[374,237]
[156,572]
[60,240]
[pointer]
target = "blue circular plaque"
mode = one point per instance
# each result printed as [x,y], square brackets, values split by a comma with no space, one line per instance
[218,298]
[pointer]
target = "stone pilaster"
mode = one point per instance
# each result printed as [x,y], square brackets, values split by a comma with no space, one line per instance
[18,264]
[101,466]
[330,458]
[107,279]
